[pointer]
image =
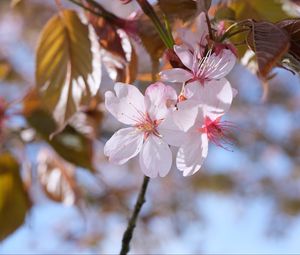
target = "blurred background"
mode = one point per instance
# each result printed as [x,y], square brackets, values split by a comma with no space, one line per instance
[244,200]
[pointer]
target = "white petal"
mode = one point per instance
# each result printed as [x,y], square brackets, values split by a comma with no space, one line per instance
[124,145]
[234,92]
[171,133]
[218,66]
[191,155]
[158,98]
[155,157]
[185,56]
[202,29]
[175,75]
[186,114]
[127,105]
[189,38]
[215,97]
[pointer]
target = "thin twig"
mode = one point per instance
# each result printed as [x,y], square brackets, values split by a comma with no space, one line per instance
[127,236]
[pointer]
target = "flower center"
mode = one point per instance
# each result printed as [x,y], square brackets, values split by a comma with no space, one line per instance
[218,131]
[148,126]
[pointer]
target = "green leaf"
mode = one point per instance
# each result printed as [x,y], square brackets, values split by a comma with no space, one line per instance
[223,12]
[69,144]
[270,10]
[14,201]
[68,72]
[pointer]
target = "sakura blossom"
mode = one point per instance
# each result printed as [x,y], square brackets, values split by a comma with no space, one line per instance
[143,114]
[162,118]
[199,38]
[193,143]
[201,69]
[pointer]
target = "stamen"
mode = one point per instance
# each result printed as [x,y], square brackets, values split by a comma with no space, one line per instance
[148,126]
[218,132]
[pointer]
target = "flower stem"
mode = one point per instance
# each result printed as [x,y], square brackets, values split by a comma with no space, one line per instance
[127,236]
[149,11]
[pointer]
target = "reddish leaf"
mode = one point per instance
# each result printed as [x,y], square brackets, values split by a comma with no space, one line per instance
[269,42]
[292,27]
[109,39]
[113,37]
[57,178]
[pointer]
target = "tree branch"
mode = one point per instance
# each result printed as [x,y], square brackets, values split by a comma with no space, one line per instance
[127,236]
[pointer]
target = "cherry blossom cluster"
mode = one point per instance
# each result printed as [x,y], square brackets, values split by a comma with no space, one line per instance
[162,118]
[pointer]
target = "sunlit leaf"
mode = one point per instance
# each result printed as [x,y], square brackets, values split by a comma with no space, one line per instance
[122,59]
[68,69]
[108,36]
[269,43]
[57,178]
[270,10]
[69,144]
[14,201]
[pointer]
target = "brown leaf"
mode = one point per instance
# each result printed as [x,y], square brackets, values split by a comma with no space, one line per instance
[122,69]
[292,27]
[57,178]
[121,59]
[269,42]
[108,36]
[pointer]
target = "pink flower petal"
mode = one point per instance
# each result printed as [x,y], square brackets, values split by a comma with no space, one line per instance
[125,144]
[127,106]
[218,66]
[155,157]
[191,155]
[171,133]
[215,97]
[186,114]
[158,98]
[184,55]
[175,75]
[189,38]
[202,29]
